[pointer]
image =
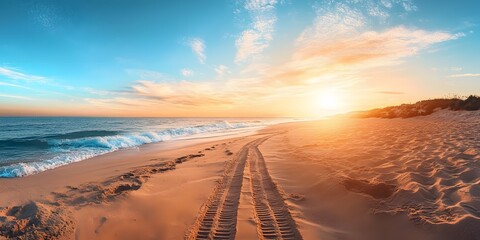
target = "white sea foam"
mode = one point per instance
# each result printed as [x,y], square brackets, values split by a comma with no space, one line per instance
[75,150]
[24,169]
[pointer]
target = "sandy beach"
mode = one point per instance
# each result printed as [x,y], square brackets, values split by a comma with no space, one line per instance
[342,178]
[240,119]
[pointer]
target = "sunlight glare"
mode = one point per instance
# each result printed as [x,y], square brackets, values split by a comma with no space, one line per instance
[327,100]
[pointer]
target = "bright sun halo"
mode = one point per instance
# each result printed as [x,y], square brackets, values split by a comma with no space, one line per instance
[327,100]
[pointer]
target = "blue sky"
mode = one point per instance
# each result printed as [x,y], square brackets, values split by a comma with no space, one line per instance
[193,58]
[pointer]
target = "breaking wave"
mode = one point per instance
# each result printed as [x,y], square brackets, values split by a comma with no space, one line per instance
[78,146]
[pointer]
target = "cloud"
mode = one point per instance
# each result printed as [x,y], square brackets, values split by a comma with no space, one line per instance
[387,3]
[121,101]
[256,39]
[37,90]
[407,5]
[465,75]
[344,59]
[16,75]
[384,47]
[14,96]
[341,35]
[98,92]
[182,93]
[198,47]
[255,5]
[14,85]
[340,45]
[186,72]
[221,70]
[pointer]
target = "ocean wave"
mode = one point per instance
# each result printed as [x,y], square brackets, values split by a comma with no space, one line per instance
[43,141]
[29,168]
[136,139]
[78,149]
[83,134]
[23,143]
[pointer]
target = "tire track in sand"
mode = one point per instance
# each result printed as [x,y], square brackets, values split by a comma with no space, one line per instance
[217,218]
[273,218]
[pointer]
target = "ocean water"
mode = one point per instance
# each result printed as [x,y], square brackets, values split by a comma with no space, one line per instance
[30,145]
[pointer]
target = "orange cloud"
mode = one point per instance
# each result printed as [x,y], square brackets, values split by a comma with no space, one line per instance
[376,48]
[184,93]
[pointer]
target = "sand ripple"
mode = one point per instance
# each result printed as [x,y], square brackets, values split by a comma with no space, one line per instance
[426,167]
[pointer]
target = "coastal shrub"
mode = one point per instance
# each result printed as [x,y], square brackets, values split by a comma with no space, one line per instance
[423,108]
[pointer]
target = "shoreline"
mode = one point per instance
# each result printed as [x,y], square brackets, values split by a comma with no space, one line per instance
[18,168]
[108,164]
[30,151]
[360,179]
[104,180]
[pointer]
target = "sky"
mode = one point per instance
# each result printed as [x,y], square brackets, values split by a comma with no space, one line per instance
[233,58]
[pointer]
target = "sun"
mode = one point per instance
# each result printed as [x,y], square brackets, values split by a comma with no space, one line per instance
[327,100]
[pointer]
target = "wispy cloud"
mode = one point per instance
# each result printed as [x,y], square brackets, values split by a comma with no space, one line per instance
[17,75]
[465,75]
[343,60]
[340,46]
[186,72]
[384,47]
[120,101]
[14,85]
[14,96]
[221,70]
[256,39]
[407,5]
[98,92]
[183,93]
[37,90]
[198,47]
